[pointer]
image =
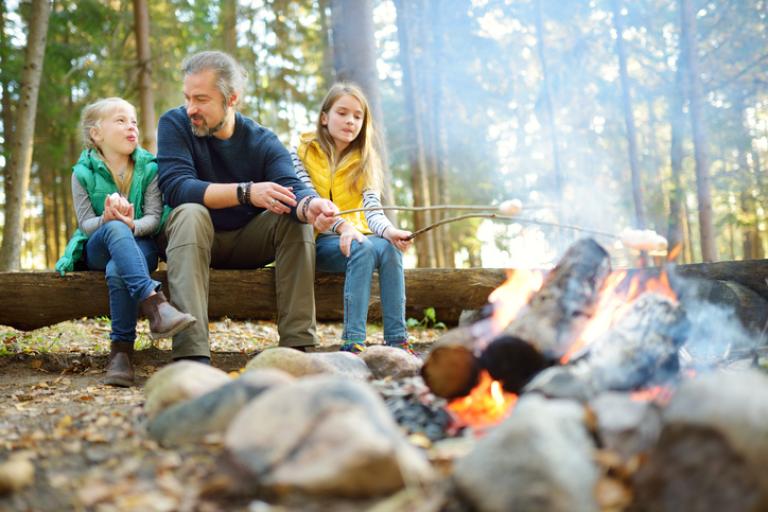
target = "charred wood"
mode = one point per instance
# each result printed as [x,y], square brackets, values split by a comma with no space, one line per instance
[555,315]
[639,350]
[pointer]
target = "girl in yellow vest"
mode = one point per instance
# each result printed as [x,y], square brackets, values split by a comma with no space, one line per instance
[119,207]
[339,161]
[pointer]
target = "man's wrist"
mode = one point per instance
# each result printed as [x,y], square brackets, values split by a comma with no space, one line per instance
[244,193]
[305,207]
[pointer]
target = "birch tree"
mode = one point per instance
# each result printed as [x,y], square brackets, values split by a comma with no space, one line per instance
[144,65]
[20,161]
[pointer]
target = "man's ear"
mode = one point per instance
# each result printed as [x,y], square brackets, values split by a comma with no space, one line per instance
[232,99]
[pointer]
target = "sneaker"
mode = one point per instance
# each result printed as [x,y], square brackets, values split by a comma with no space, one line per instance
[404,345]
[354,347]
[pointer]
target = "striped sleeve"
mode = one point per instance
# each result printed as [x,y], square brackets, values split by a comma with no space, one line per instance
[301,172]
[377,221]
[303,175]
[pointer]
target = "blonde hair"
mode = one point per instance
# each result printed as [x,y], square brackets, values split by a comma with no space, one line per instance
[94,113]
[369,174]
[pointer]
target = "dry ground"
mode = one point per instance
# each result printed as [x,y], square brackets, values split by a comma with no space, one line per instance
[88,442]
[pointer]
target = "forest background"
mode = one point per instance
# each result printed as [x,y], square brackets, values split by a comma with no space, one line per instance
[600,114]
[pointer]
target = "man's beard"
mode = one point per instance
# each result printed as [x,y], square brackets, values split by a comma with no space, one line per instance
[204,131]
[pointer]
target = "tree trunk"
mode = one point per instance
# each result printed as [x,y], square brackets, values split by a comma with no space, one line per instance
[144,65]
[424,247]
[20,163]
[549,114]
[228,22]
[629,118]
[438,182]
[676,193]
[7,115]
[327,66]
[689,48]
[354,52]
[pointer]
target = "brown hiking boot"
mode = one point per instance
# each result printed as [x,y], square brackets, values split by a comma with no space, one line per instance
[119,368]
[164,320]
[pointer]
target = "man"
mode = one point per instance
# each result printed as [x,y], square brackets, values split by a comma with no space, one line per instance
[237,204]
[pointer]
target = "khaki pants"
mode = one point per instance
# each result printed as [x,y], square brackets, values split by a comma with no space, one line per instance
[194,247]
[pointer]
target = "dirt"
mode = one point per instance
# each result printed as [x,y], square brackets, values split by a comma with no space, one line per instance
[89,446]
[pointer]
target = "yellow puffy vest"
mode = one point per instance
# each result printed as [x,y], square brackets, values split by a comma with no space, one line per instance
[334,185]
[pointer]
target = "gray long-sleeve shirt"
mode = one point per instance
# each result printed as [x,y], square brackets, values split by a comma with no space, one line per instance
[88,221]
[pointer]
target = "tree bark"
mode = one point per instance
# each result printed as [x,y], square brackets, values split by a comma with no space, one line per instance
[689,48]
[144,66]
[425,249]
[354,51]
[20,163]
[228,22]
[629,118]
[549,114]
[29,300]
[676,194]
[7,115]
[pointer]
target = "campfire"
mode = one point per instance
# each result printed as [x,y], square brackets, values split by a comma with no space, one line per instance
[581,388]
[573,332]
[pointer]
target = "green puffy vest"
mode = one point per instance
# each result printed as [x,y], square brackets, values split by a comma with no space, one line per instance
[93,175]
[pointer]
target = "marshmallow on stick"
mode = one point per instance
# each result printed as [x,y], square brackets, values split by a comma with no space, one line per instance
[511,207]
[643,240]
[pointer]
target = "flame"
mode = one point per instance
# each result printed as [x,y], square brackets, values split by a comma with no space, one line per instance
[619,291]
[486,405]
[659,394]
[675,252]
[509,298]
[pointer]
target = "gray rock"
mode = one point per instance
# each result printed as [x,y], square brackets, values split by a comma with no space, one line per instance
[291,361]
[180,381]
[323,435]
[192,420]
[346,364]
[540,458]
[391,362]
[625,425]
[301,364]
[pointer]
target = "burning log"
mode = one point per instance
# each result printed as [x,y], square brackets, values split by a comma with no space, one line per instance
[639,350]
[540,335]
[555,315]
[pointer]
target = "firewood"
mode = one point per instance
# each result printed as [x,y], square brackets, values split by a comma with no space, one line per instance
[535,339]
[640,349]
[556,314]
[452,369]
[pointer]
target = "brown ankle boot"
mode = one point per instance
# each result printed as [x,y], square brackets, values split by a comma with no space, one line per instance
[164,320]
[119,368]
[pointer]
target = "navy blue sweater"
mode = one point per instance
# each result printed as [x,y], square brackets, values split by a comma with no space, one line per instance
[188,164]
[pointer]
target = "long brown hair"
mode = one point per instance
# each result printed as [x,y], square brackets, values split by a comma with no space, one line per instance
[368,173]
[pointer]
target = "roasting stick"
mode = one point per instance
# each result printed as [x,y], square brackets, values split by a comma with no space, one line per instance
[641,240]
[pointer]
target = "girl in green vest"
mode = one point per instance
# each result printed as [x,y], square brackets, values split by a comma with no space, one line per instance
[119,207]
[340,162]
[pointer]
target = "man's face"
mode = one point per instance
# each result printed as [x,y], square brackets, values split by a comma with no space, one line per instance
[207,108]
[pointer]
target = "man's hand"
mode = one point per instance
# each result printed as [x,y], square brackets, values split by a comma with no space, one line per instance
[320,213]
[272,196]
[347,233]
[399,238]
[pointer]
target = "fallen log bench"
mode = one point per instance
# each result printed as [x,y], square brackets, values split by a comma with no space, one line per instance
[33,299]
[29,300]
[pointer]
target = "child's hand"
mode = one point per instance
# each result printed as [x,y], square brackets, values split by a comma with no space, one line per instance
[348,233]
[399,238]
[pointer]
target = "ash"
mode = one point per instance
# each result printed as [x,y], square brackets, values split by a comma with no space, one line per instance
[415,408]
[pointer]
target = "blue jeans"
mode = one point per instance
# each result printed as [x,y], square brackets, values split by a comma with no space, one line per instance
[127,261]
[375,253]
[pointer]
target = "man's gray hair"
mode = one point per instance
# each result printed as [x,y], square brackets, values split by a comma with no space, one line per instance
[230,76]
